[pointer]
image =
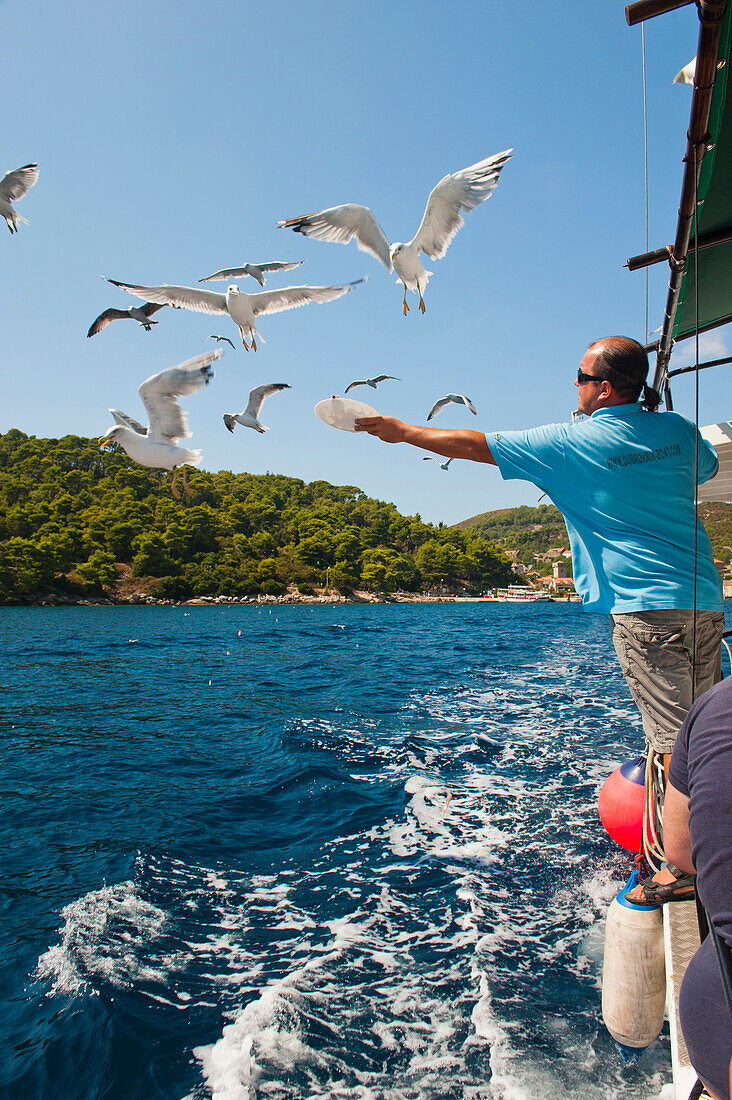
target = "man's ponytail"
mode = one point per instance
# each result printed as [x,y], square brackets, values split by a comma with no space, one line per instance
[651,399]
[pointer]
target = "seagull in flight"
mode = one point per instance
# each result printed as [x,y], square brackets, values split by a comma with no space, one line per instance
[373,382]
[242,308]
[257,271]
[442,465]
[249,417]
[135,313]
[13,186]
[457,398]
[220,339]
[461,191]
[157,446]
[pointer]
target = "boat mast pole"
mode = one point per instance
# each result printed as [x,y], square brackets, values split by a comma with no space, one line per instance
[711,15]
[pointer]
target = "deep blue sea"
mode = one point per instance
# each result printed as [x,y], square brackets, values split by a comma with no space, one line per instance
[312,851]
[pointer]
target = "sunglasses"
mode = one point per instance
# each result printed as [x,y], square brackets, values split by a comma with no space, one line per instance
[582,377]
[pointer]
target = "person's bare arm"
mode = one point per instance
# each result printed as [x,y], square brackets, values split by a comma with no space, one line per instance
[452,443]
[676,835]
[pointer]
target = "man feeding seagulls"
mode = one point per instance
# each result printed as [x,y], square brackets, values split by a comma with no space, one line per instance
[242,308]
[249,417]
[442,218]
[13,186]
[157,445]
[625,482]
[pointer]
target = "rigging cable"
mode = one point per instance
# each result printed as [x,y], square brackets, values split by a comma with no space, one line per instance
[696,411]
[645,152]
[652,842]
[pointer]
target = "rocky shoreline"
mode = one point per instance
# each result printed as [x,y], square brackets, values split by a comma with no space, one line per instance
[143,599]
[293,598]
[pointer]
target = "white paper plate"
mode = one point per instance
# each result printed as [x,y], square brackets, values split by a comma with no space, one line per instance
[342,412]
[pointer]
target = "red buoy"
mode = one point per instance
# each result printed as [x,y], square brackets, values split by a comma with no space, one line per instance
[620,804]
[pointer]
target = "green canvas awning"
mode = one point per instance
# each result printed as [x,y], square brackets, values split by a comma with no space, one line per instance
[714,214]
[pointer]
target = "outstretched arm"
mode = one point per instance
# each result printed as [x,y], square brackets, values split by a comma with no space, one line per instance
[452,443]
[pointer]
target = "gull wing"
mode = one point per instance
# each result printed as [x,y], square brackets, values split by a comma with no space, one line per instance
[150,307]
[181,297]
[15,184]
[290,297]
[340,224]
[241,272]
[257,396]
[461,191]
[128,421]
[225,273]
[457,398]
[106,318]
[159,395]
[279,265]
[372,381]
[437,406]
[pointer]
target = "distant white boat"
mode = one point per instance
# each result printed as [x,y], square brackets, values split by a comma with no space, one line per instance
[516,593]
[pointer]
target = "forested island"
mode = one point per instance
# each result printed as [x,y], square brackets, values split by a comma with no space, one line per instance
[77,522]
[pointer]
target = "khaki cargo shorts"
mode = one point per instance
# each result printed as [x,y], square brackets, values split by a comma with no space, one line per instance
[655,650]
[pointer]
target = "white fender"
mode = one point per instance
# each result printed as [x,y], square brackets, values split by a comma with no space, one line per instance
[634,972]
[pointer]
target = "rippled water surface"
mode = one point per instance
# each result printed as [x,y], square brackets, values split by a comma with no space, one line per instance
[332,851]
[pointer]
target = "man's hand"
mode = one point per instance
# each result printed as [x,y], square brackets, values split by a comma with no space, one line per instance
[387,428]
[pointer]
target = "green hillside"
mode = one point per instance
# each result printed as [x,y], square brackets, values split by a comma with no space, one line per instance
[76,520]
[535,530]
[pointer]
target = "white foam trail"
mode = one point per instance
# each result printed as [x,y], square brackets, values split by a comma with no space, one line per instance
[103,936]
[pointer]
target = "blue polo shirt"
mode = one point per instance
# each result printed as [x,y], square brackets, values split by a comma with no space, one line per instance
[624,480]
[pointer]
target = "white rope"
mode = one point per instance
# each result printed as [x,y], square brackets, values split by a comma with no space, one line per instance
[653,811]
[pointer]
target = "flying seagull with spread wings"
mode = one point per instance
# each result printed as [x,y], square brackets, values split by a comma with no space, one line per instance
[242,308]
[221,340]
[249,418]
[373,382]
[135,313]
[462,191]
[457,398]
[158,445]
[256,271]
[442,465]
[13,186]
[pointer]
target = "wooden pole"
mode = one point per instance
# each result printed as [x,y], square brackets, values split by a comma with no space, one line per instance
[647,9]
[658,255]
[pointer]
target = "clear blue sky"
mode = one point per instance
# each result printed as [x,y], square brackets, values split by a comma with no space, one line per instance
[173,136]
